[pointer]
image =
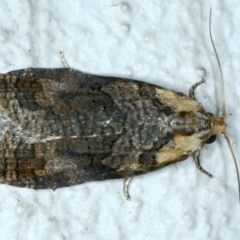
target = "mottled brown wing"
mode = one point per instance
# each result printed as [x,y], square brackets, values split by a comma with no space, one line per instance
[62,127]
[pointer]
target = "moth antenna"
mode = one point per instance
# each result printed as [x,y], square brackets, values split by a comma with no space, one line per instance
[219,65]
[224,103]
[235,160]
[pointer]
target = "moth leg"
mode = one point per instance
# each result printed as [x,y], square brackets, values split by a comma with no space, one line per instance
[192,89]
[196,155]
[64,62]
[126,187]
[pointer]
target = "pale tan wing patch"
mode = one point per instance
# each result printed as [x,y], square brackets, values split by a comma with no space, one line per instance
[177,101]
[180,148]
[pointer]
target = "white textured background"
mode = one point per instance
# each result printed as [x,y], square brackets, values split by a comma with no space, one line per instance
[157,41]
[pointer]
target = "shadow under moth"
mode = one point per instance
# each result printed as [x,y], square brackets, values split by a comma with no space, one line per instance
[62,127]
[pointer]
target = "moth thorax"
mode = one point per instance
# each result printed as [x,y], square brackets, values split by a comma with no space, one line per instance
[188,123]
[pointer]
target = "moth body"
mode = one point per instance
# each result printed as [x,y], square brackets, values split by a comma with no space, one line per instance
[64,127]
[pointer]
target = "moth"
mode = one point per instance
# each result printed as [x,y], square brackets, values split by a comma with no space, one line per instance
[62,127]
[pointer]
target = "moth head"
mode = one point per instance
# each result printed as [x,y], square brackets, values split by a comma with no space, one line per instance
[218,124]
